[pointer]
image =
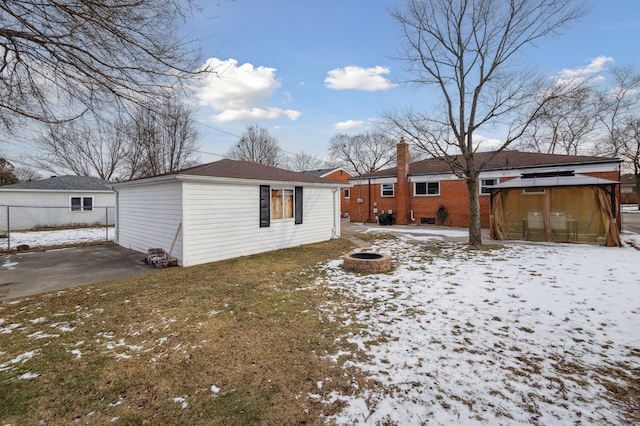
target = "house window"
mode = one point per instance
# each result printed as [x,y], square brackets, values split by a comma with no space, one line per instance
[281,203]
[426,188]
[81,204]
[486,184]
[347,194]
[387,190]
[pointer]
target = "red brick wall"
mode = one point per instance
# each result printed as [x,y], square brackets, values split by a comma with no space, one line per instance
[402,191]
[341,176]
[453,195]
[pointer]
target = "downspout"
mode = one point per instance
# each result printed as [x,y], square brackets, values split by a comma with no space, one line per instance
[116,220]
[335,231]
[368,202]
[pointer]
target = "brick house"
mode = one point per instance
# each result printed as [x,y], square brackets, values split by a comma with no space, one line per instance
[628,189]
[339,175]
[414,192]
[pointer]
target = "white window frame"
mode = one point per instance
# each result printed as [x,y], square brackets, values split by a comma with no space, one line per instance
[347,193]
[82,204]
[486,189]
[382,189]
[534,191]
[293,203]
[426,188]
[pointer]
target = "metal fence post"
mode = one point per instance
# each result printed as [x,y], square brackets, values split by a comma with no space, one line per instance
[106,225]
[8,229]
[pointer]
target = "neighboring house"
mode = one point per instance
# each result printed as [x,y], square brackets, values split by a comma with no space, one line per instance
[428,192]
[57,202]
[226,209]
[339,175]
[628,193]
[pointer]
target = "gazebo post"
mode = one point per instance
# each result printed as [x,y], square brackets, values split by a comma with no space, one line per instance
[547,214]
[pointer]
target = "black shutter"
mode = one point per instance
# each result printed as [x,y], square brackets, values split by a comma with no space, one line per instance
[298,204]
[265,206]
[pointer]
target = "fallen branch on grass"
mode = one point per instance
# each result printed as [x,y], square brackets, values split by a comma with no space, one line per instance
[634,245]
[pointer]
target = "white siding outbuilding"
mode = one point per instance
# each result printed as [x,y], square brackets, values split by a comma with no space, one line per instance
[226,209]
[55,202]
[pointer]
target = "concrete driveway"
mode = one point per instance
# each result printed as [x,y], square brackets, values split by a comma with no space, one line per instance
[29,273]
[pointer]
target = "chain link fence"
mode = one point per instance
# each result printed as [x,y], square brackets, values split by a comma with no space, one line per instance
[631,218]
[29,227]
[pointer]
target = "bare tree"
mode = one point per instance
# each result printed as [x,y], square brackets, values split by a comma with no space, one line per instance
[304,162]
[468,50]
[258,146]
[62,60]
[7,173]
[363,153]
[567,123]
[157,139]
[629,136]
[620,106]
[84,147]
[161,140]
[27,174]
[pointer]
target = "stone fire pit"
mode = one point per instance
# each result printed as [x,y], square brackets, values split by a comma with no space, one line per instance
[367,263]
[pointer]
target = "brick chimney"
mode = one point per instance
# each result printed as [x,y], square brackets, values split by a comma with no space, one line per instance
[402,185]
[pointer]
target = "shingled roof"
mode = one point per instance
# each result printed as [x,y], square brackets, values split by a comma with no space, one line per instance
[319,172]
[63,183]
[503,160]
[249,170]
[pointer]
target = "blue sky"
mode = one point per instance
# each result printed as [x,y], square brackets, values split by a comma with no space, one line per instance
[306,70]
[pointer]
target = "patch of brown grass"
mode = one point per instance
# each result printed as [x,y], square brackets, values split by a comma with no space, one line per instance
[126,349]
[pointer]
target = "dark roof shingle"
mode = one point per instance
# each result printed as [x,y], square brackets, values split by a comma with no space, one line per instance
[249,170]
[503,160]
[64,183]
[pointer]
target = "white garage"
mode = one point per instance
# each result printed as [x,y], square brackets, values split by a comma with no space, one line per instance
[226,209]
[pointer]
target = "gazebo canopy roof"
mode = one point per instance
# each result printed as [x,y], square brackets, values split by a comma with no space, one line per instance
[553,179]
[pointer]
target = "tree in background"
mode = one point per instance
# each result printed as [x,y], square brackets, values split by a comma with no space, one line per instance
[258,146]
[155,140]
[26,174]
[468,51]
[7,175]
[161,141]
[620,105]
[64,60]
[630,149]
[304,162]
[363,153]
[567,123]
[84,147]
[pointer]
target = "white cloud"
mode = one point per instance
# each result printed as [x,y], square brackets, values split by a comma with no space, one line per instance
[353,77]
[254,114]
[348,125]
[484,143]
[596,66]
[240,92]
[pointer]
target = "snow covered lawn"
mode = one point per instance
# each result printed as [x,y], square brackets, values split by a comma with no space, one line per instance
[59,237]
[519,333]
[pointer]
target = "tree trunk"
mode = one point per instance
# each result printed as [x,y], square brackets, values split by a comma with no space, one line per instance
[475,233]
[638,190]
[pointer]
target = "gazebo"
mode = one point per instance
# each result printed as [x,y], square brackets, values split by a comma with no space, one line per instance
[558,206]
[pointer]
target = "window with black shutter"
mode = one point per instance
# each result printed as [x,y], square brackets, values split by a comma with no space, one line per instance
[265,206]
[298,203]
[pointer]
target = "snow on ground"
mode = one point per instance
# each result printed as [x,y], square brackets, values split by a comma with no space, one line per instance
[521,333]
[59,237]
